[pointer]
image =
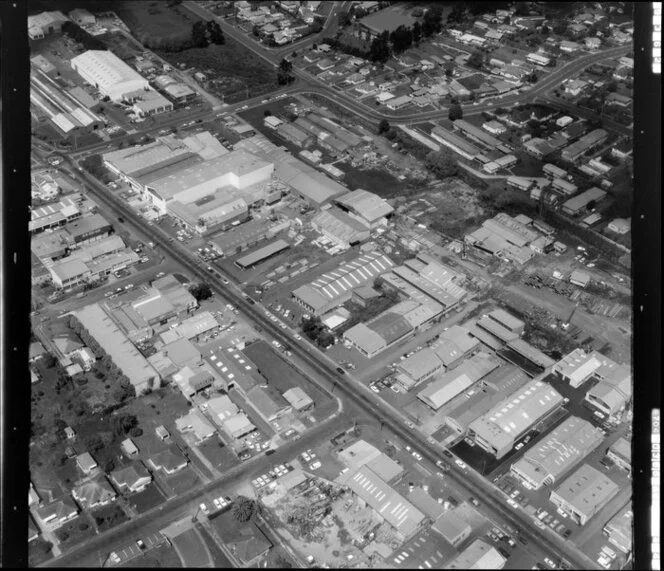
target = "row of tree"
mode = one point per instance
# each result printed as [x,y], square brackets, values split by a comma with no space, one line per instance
[399,40]
[78,34]
[200,35]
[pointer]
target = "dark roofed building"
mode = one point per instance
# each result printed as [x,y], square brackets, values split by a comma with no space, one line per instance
[245,540]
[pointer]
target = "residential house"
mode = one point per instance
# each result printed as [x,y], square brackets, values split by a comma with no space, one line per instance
[131,478]
[86,462]
[94,493]
[58,513]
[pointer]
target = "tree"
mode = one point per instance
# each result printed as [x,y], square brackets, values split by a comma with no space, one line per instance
[198,36]
[256,31]
[379,50]
[244,509]
[455,112]
[316,26]
[432,21]
[214,33]
[476,59]
[417,33]
[383,126]
[201,291]
[442,164]
[343,19]
[521,9]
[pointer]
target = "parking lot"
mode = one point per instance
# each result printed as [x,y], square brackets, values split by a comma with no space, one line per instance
[126,554]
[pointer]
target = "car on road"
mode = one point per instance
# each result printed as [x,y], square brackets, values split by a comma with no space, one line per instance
[447,453]
[511,502]
[474,501]
[417,455]
[224,281]
[461,464]
[341,371]
[539,524]
[549,563]
[409,424]
[511,542]
[374,388]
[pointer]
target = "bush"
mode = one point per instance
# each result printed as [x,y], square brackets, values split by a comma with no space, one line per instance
[136,432]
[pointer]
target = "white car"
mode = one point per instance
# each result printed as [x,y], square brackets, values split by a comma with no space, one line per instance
[511,502]
[460,463]
[315,465]
[606,549]
[306,457]
[519,446]
[542,515]
[561,513]
[115,558]
[374,388]
[298,337]
[549,563]
[417,455]
[604,561]
[204,509]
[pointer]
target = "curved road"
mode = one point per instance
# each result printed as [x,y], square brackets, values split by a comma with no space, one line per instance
[554,79]
[356,396]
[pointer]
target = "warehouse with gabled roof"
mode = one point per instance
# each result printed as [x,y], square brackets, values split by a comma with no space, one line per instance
[561,451]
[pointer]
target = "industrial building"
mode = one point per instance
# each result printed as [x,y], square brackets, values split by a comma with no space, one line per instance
[584,144]
[578,204]
[457,144]
[295,135]
[333,289]
[504,237]
[244,236]
[613,394]
[82,17]
[122,352]
[340,228]
[391,326]
[498,430]
[478,555]
[268,402]
[109,74]
[466,408]
[451,525]
[419,367]
[584,493]
[448,385]
[403,516]
[620,453]
[63,111]
[454,345]
[561,451]
[476,134]
[298,399]
[620,529]
[214,193]
[149,102]
[424,279]
[198,326]
[262,254]
[307,182]
[365,206]
[173,89]
[45,24]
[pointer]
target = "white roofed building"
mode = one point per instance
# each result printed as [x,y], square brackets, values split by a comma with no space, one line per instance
[365,206]
[108,73]
[498,430]
[561,451]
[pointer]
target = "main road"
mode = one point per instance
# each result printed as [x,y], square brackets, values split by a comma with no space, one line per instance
[353,395]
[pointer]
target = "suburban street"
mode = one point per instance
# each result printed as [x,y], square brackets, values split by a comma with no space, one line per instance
[356,397]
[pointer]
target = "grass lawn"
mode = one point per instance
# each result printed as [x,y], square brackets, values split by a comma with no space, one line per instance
[146,500]
[527,165]
[39,551]
[75,531]
[220,456]
[183,481]
[108,517]
[233,72]
[219,559]
[118,44]
[191,549]
[161,20]
[162,556]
